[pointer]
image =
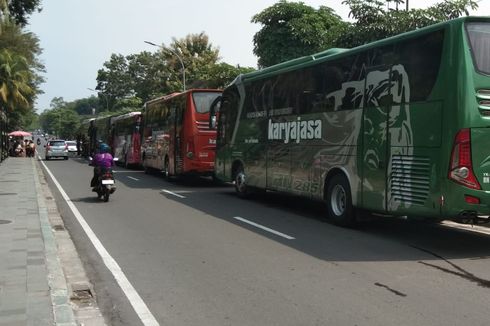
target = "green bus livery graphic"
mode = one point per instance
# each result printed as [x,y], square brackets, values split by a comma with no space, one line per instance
[295,130]
[400,126]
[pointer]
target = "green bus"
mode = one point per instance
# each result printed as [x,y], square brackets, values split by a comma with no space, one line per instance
[400,126]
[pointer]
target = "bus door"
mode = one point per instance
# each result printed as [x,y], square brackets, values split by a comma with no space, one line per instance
[278,157]
[178,135]
[375,158]
[171,136]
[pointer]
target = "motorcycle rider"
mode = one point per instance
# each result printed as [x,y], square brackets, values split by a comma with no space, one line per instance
[102,161]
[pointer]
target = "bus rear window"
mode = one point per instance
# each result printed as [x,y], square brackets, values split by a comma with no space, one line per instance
[203,100]
[479,35]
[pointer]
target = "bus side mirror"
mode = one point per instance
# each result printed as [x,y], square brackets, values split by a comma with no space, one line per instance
[213,111]
[212,122]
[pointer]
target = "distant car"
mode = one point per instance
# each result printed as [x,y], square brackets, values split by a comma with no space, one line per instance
[72,146]
[56,148]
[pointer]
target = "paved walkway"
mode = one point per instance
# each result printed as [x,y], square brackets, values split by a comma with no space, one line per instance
[33,284]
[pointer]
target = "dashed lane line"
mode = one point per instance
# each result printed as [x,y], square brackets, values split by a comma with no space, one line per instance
[172,193]
[264,228]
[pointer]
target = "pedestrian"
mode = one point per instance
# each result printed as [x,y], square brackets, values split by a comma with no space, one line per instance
[79,140]
[32,149]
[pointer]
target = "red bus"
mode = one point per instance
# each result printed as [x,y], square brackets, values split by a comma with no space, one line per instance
[176,133]
[126,138]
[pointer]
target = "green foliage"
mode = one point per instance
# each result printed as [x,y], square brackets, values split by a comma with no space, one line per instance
[20,10]
[60,120]
[221,74]
[293,29]
[19,70]
[126,82]
[84,106]
[14,81]
[373,22]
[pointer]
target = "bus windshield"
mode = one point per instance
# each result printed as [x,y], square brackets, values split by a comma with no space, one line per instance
[479,35]
[203,100]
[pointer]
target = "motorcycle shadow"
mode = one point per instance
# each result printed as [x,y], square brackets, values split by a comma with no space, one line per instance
[91,199]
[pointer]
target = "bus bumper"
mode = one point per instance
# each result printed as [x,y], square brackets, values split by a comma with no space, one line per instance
[464,204]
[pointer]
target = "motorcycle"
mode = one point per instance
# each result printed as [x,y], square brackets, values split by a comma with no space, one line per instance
[105,183]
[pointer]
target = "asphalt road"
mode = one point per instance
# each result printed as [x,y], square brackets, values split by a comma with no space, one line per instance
[190,252]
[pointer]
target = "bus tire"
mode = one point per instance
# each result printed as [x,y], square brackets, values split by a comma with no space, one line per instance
[339,201]
[240,182]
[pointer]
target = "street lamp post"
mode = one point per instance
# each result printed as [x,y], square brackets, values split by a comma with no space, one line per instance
[105,96]
[174,53]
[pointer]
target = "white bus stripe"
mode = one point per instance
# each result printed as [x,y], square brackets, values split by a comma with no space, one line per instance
[134,298]
[264,228]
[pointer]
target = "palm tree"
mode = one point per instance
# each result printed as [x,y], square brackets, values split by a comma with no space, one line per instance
[14,81]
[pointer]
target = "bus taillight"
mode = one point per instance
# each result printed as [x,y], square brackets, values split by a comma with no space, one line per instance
[190,149]
[461,167]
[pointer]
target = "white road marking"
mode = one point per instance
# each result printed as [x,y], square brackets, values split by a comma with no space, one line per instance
[172,193]
[467,227]
[133,178]
[264,228]
[134,298]
[127,171]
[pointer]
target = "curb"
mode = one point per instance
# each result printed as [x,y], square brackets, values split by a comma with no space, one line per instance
[72,294]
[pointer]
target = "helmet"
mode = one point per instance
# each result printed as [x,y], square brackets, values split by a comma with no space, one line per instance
[103,148]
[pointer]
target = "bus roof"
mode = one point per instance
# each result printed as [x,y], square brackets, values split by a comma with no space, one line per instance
[169,96]
[337,52]
[125,116]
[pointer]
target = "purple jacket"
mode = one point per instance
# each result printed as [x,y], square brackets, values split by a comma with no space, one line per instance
[104,160]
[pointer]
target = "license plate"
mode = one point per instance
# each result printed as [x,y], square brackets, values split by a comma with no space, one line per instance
[107,182]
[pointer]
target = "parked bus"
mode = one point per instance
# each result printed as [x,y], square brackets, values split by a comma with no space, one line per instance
[126,138]
[103,131]
[84,132]
[177,138]
[93,131]
[400,126]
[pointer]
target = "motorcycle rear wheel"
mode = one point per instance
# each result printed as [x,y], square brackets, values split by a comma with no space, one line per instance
[106,195]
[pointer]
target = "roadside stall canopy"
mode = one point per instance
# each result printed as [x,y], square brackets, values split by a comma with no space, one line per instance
[20,133]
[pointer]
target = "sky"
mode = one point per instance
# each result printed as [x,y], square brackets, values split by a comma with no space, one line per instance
[78,36]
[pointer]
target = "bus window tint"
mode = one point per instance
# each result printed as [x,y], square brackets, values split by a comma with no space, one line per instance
[479,35]
[421,59]
[203,100]
[228,113]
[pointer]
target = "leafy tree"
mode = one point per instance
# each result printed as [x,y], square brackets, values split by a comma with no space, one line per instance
[61,119]
[221,74]
[148,74]
[114,81]
[19,10]
[127,82]
[373,22]
[293,29]
[85,106]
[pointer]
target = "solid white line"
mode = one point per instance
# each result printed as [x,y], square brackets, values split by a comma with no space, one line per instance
[172,193]
[133,178]
[134,298]
[264,228]
[467,227]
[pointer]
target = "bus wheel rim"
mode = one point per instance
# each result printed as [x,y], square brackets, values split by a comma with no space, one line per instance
[338,200]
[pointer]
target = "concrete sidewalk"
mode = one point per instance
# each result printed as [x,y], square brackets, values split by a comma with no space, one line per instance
[42,280]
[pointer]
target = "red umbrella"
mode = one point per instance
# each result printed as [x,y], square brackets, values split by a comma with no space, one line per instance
[20,133]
